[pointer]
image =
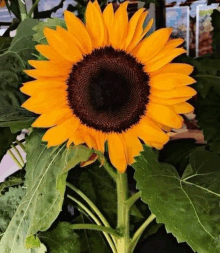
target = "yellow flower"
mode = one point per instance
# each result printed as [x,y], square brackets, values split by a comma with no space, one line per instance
[104,81]
[2,3]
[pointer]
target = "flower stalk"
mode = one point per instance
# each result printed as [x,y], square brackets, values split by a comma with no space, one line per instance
[123,213]
[23,10]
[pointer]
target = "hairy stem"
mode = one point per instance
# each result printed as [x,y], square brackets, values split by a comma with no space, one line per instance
[23,10]
[108,238]
[33,8]
[139,232]
[91,204]
[15,159]
[95,227]
[19,154]
[123,213]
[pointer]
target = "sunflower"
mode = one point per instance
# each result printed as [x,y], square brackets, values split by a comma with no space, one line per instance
[103,81]
[2,3]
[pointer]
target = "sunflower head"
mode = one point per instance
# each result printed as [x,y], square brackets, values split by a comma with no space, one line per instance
[105,81]
[2,3]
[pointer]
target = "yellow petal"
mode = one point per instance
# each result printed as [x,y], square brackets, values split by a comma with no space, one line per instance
[132,26]
[94,25]
[152,45]
[71,53]
[183,108]
[138,36]
[174,43]
[174,93]
[133,145]
[55,117]
[117,153]
[167,101]
[70,39]
[63,68]
[76,27]
[48,52]
[162,126]
[157,145]
[168,81]
[175,68]
[164,115]
[120,27]
[41,103]
[108,18]
[33,87]
[154,66]
[148,133]
[59,134]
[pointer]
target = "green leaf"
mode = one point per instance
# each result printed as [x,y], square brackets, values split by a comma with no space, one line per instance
[4,43]
[39,28]
[61,239]
[12,63]
[90,241]
[45,180]
[188,206]
[6,139]
[8,205]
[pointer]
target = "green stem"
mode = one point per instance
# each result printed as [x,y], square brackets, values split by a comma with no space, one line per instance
[139,232]
[106,165]
[133,199]
[33,8]
[23,10]
[108,238]
[92,205]
[123,213]
[20,145]
[15,159]
[18,153]
[95,227]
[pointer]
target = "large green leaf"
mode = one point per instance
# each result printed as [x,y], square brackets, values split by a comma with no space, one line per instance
[188,206]
[45,181]
[61,239]
[6,139]
[12,63]
[39,28]
[8,205]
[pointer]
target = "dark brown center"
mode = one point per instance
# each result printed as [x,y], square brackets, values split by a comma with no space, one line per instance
[108,90]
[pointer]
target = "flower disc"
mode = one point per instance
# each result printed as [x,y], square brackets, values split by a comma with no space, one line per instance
[105,81]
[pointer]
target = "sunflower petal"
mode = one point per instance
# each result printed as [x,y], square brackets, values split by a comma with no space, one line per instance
[174,93]
[133,145]
[94,25]
[164,115]
[108,18]
[120,28]
[132,26]
[164,60]
[55,117]
[182,108]
[48,52]
[117,154]
[93,157]
[33,87]
[169,81]
[167,101]
[69,38]
[71,53]
[59,134]
[152,45]
[181,68]
[76,27]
